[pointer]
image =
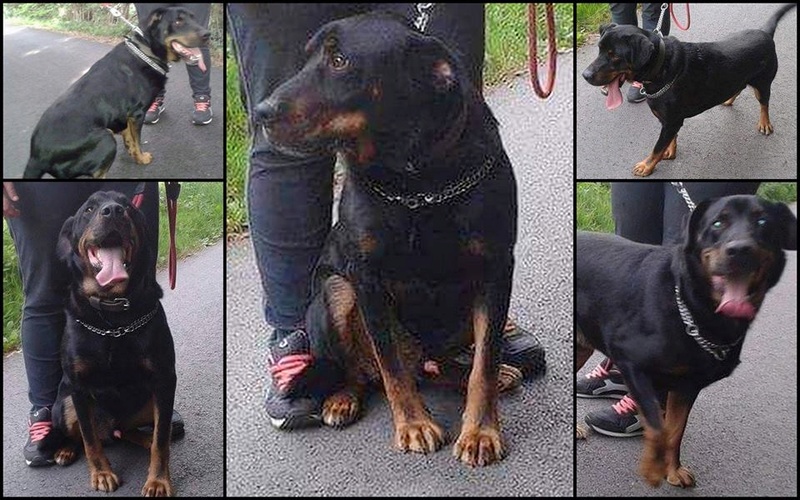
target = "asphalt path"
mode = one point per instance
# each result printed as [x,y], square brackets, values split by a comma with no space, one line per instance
[39,66]
[537,419]
[741,439]
[194,311]
[720,143]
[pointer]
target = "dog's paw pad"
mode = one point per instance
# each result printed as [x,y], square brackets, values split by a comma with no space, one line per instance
[104,481]
[340,409]
[479,446]
[155,487]
[420,436]
[682,477]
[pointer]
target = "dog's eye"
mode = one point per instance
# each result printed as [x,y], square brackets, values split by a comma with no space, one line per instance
[762,221]
[89,209]
[717,224]
[338,61]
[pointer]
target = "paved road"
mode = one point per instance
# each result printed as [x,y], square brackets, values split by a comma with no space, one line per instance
[720,143]
[741,439]
[194,310]
[537,420]
[39,66]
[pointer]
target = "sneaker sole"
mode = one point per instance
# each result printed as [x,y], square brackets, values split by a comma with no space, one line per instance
[616,434]
[295,422]
[599,396]
[39,463]
[202,123]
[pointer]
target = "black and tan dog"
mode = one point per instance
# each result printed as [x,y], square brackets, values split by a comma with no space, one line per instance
[75,135]
[421,258]
[682,79]
[117,353]
[674,319]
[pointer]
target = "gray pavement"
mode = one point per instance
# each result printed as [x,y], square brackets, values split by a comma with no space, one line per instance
[720,143]
[39,66]
[537,419]
[194,311]
[741,439]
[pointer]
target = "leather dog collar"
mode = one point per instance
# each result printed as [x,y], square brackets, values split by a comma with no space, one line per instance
[662,52]
[115,305]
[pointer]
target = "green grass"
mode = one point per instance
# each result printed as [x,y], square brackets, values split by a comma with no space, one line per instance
[506,55]
[588,17]
[594,202]
[199,225]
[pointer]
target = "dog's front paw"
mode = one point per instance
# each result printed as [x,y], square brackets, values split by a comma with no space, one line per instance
[421,436]
[103,480]
[479,446]
[765,126]
[145,158]
[682,477]
[340,409]
[642,169]
[157,487]
[65,455]
[581,432]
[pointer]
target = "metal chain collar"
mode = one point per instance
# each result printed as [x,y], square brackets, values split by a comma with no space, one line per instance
[720,352]
[683,192]
[418,200]
[423,15]
[122,330]
[144,57]
[661,92]
[661,19]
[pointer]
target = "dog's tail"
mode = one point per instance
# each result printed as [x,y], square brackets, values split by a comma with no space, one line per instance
[772,24]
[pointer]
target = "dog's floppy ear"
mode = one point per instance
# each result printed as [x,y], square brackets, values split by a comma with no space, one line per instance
[691,224]
[604,27]
[642,52]
[64,245]
[788,226]
[432,61]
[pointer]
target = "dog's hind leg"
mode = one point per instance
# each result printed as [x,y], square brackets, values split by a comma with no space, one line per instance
[762,92]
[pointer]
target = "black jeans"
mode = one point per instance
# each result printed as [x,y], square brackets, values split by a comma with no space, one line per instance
[199,81]
[43,207]
[289,198]
[653,212]
[625,13]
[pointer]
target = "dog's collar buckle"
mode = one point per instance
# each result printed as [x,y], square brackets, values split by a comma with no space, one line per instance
[118,304]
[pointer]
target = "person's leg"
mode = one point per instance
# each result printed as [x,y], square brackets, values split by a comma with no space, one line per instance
[637,209]
[289,198]
[676,208]
[623,13]
[199,80]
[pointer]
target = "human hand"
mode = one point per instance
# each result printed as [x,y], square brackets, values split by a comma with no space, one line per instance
[9,198]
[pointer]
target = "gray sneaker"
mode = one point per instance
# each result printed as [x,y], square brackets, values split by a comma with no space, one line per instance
[287,408]
[40,423]
[202,113]
[155,110]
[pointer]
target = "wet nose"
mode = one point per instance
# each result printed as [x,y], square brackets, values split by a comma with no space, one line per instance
[269,111]
[112,209]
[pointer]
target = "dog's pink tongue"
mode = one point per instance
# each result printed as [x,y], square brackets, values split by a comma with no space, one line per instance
[113,270]
[614,97]
[734,303]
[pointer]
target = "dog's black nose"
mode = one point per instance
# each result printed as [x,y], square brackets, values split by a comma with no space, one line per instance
[739,248]
[205,35]
[112,209]
[269,111]
[587,75]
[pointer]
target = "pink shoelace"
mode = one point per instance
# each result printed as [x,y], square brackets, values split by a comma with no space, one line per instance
[39,430]
[201,105]
[288,367]
[625,405]
[155,105]
[598,372]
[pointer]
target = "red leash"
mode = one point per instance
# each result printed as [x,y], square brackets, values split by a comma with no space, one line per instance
[533,56]
[173,190]
[675,19]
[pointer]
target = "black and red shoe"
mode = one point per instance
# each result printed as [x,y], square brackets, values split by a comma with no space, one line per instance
[288,361]
[40,423]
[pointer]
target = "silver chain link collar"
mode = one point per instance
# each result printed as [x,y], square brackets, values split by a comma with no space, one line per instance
[720,352]
[683,192]
[418,200]
[122,330]
[144,57]
[423,16]
[660,92]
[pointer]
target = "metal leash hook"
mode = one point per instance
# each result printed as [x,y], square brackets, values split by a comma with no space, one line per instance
[533,56]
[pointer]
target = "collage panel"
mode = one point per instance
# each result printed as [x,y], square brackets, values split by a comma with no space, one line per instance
[105,336]
[435,246]
[118,91]
[685,291]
